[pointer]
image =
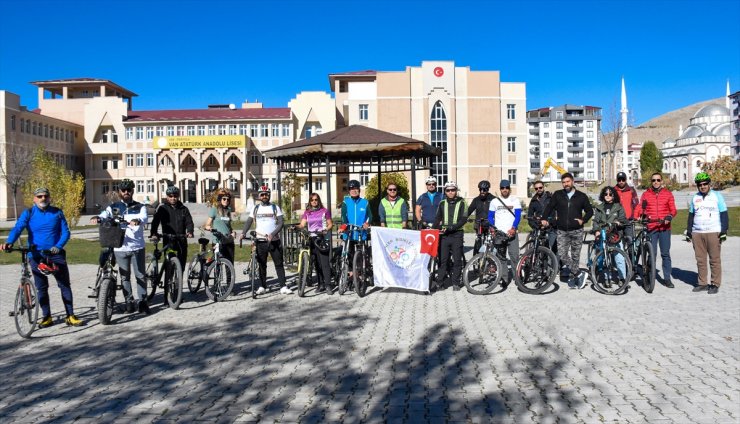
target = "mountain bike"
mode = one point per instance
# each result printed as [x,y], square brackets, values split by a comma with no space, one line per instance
[362,266]
[433,266]
[196,271]
[538,266]
[111,236]
[171,270]
[641,254]
[486,269]
[341,266]
[26,305]
[219,272]
[609,265]
[251,269]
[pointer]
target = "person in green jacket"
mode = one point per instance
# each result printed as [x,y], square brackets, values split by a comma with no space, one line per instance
[393,209]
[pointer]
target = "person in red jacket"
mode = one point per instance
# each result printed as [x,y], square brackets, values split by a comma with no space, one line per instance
[628,199]
[657,202]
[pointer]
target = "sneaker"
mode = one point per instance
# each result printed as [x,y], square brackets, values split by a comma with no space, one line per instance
[286,290]
[581,280]
[130,307]
[455,288]
[261,290]
[73,321]
[144,307]
[321,289]
[700,288]
[330,290]
[668,284]
[46,322]
[712,289]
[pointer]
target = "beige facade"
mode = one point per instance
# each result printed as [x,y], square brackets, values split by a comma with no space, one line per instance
[468,114]
[21,133]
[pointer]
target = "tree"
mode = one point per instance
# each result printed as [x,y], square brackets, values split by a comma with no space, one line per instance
[651,160]
[16,163]
[67,187]
[611,133]
[724,171]
[291,190]
[371,191]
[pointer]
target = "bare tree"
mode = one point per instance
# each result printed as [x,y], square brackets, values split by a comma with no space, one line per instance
[611,133]
[16,164]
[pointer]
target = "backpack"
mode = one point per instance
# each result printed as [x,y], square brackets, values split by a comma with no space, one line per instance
[274,212]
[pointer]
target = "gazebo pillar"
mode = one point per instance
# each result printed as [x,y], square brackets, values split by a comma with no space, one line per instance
[413,191]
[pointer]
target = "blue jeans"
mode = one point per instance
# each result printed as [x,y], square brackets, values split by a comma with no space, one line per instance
[42,283]
[663,239]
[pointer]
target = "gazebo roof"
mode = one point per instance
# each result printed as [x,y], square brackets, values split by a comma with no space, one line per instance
[352,142]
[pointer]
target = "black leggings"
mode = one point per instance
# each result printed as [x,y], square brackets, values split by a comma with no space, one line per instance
[323,269]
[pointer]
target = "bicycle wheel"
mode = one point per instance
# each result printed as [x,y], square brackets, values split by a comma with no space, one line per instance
[195,273]
[342,278]
[26,308]
[534,275]
[647,265]
[253,276]
[304,272]
[433,271]
[605,272]
[106,300]
[151,276]
[359,266]
[220,279]
[174,294]
[482,274]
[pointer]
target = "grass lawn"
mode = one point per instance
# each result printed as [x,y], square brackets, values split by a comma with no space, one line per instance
[678,226]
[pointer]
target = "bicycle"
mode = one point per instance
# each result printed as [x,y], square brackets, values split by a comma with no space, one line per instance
[171,269]
[106,281]
[26,305]
[252,265]
[362,266]
[341,266]
[209,270]
[603,261]
[641,254]
[484,271]
[538,266]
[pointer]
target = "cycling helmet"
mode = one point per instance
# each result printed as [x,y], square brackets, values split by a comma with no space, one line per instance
[172,190]
[614,237]
[263,189]
[321,243]
[353,184]
[430,180]
[126,184]
[621,176]
[47,267]
[702,177]
[450,184]
[484,185]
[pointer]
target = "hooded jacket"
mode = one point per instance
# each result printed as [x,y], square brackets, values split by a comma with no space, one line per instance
[657,205]
[628,199]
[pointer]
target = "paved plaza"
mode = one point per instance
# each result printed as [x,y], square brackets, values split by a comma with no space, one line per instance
[393,356]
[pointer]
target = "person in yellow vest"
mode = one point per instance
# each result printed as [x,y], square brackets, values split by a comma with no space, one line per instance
[393,210]
[451,217]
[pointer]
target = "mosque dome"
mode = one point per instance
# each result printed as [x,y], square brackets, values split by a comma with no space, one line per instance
[723,129]
[693,131]
[712,110]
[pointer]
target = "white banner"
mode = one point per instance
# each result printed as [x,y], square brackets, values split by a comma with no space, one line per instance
[397,261]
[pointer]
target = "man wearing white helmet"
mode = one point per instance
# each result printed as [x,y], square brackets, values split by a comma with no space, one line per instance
[268,218]
[428,203]
[450,219]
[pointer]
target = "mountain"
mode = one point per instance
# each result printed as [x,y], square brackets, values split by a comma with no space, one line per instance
[667,124]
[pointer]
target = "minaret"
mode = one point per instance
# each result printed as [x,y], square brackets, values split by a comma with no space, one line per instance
[625,130]
[727,95]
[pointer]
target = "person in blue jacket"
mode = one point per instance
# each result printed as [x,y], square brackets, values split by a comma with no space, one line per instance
[47,230]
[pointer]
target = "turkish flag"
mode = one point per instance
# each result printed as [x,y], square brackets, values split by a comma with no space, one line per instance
[430,242]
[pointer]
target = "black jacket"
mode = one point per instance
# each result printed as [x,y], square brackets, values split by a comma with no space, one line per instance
[568,210]
[451,205]
[174,219]
[480,208]
[538,205]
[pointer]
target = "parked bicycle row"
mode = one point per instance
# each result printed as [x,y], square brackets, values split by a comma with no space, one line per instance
[626,235]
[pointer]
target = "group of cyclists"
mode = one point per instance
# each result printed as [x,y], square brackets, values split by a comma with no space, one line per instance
[562,214]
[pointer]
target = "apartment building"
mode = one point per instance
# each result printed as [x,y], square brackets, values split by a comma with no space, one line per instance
[735,124]
[569,135]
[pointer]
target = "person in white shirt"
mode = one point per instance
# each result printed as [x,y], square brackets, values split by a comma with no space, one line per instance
[268,219]
[504,214]
[131,256]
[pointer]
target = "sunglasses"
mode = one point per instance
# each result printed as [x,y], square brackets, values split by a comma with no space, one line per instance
[539,188]
[504,188]
[314,200]
[621,179]
[42,196]
[126,190]
[656,180]
[450,190]
[608,195]
[354,188]
[392,189]
[702,184]
[264,194]
[484,190]
[431,184]
[225,198]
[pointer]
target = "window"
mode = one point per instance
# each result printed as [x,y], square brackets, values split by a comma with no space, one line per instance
[546,155]
[309,132]
[114,163]
[243,129]
[510,111]
[318,184]
[254,159]
[512,176]
[559,155]
[590,165]
[211,160]
[363,112]
[150,186]
[211,130]
[139,160]
[286,130]
[546,125]
[275,130]
[590,175]
[559,135]
[305,185]
[264,130]
[181,130]
[233,160]
[149,133]
[129,161]
[222,129]
[12,122]
[559,145]
[139,133]
[104,137]
[234,184]
[253,130]
[274,183]
[547,145]
[589,124]
[559,125]
[34,128]
[233,129]
[140,186]
[590,155]
[439,140]
[558,114]
[191,129]
[364,178]
[28,126]
[23,128]
[590,144]
[159,131]
[170,131]
[511,144]
[150,160]
[104,188]
[546,135]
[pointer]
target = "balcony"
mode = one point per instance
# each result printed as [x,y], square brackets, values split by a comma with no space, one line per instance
[576,137]
[534,140]
[534,130]
[575,128]
[574,117]
[536,170]
[576,169]
[534,150]
[575,148]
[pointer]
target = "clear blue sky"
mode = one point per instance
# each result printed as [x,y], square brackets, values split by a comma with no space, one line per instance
[188,54]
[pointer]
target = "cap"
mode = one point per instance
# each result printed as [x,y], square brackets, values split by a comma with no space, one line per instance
[41,190]
[504,183]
